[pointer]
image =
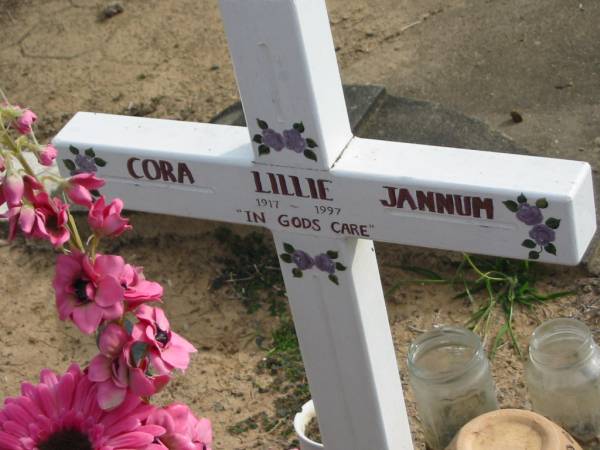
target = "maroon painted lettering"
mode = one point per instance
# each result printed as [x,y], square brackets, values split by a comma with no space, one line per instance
[131,170]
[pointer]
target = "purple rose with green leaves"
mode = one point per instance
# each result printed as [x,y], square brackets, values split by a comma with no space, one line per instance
[325,263]
[273,139]
[302,259]
[542,234]
[530,215]
[294,140]
[85,164]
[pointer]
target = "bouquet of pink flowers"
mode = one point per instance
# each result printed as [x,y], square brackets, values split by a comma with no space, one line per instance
[106,405]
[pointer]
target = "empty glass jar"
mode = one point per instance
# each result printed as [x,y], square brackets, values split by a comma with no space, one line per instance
[563,376]
[450,376]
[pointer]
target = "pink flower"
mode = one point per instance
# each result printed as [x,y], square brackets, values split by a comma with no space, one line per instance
[48,221]
[47,155]
[183,430]
[79,187]
[112,339]
[88,293]
[61,413]
[2,164]
[137,289]
[166,349]
[12,189]
[106,220]
[24,122]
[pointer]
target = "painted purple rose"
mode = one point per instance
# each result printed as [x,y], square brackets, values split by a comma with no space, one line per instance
[542,234]
[302,259]
[530,215]
[294,140]
[85,164]
[273,139]
[325,263]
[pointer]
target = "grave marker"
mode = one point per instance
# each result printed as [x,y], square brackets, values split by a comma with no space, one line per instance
[326,195]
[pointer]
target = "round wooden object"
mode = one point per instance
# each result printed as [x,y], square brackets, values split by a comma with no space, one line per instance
[513,429]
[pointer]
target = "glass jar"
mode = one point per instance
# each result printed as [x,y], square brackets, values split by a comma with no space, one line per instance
[563,376]
[450,377]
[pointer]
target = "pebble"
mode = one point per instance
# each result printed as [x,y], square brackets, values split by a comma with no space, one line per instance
[516,116]
[111,10]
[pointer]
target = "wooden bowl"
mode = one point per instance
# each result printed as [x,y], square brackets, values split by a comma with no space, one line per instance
[513,429]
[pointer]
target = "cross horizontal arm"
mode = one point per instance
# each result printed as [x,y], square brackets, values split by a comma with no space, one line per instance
[480,202]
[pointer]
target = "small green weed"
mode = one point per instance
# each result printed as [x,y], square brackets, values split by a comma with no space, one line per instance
[488,284]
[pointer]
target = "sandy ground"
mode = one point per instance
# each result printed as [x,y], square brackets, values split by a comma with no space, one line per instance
[169,59]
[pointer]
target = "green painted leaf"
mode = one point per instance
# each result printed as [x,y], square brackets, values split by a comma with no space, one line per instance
[550,248]
[69,164]
[89,152]
[262,124]
[257,138]
[138,351]
[541,203]
[340,266]
[100,162]
[311,143]
[289,248]
[297,272]
[286,258]
[334,279]
[522,199]
[263,150]
[299,126]
[310,154]
[553,223]
[534,255]
[73,150]
[528,243]
[511,205]
[332,254]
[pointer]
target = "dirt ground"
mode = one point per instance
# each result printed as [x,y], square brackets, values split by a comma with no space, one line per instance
[170,60]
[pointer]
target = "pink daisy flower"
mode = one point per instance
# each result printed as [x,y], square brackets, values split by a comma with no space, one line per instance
[89,292]
[62,413]
[184,431]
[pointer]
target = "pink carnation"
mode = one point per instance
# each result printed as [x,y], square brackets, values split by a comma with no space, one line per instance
[137,289]
[87,292]
[183,430]
[79,187]
[24,122]
[106,220]
[62,413]
[166,349]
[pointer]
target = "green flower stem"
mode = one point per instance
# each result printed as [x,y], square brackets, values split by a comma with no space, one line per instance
[480,273]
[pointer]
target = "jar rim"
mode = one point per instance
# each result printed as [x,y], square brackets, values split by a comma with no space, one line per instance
[555,329]
[446,335]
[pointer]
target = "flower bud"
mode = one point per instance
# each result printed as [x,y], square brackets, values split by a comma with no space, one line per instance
[13,188]
[47,155]
[24,122]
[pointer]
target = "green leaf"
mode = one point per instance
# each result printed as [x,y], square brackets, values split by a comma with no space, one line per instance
[69,164]
[138,351]
[541,203]
[550,248]
[311,143]
[263,150]
[128,326]
[528,243]
[100,162]
[310,154]
[340,266]
[534,255]
[262,124]
[257,138]
[334,279]
[332,254]
[553,223]
[74,150]
[297,272]
[522,199]
[289,248]
[95,193]
[512,206]
[299,126]
[286,258]
[90,152]
[430,274]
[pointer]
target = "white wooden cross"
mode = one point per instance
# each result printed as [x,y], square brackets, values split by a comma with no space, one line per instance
[326,195]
